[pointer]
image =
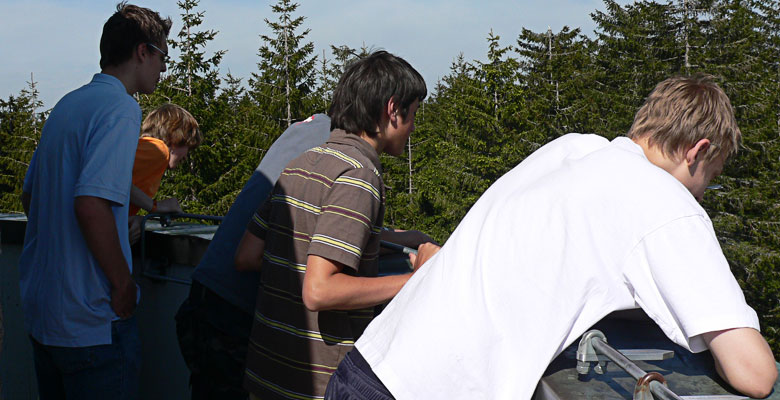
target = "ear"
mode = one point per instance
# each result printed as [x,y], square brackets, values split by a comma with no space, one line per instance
[697,150]
[141,51]
[392,109]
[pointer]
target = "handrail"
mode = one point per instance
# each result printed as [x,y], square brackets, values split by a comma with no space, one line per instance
[165,220]
[594,341]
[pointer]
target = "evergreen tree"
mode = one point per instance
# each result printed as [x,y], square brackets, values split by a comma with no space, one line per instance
[286,81]
[20,132]
[637,47]
[193,82]
[745,212]
[558,82]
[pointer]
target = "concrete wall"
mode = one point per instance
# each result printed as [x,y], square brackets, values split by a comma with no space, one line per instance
[172,253]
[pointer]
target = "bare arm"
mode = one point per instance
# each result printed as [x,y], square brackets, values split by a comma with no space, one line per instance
[100,232]
[744,360]
[249,254]
[26,198]
[326,288]
[142,200]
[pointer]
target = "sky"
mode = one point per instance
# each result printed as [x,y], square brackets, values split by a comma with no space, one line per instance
[57,41]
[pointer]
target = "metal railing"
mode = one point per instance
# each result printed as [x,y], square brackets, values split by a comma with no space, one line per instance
[165,220]
[594,343]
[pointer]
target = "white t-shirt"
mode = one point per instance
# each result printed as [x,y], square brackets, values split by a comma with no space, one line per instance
[581,228]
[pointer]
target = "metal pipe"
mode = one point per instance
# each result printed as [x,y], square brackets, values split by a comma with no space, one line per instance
[619,359]
[397,247]
[657,388]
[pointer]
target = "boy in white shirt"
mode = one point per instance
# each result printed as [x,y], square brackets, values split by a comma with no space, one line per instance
[579,229]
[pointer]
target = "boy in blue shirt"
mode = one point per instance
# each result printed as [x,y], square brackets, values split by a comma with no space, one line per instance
[78,295]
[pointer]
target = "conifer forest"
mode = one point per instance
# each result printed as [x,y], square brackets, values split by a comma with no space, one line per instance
[483,117]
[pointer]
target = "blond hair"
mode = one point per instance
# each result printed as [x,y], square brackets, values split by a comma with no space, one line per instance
[683,110]
[173,125]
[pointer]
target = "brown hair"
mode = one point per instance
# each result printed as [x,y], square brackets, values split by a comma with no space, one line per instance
[682,110]
[126,29]
[173,125]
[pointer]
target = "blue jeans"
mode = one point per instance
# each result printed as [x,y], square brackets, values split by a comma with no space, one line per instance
[354,380]
[109,371]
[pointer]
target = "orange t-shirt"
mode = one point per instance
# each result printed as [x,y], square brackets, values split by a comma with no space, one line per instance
[151,161]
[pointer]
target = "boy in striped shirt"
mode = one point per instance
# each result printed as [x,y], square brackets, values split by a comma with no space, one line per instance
[316,238]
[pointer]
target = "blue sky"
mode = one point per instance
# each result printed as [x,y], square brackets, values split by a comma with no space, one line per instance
[57,41]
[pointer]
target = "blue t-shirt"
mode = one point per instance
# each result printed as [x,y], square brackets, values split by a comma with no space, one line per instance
[216,270]
[87,148]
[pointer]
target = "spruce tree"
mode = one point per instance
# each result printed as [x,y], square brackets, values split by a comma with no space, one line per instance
[20,132]
[192,82]
[558,82]
[285,83]
[745,212]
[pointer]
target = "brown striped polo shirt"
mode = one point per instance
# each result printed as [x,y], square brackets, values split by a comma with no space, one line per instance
[328,202]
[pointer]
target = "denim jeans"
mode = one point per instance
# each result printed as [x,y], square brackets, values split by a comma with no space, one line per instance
[109,371]
[354,380]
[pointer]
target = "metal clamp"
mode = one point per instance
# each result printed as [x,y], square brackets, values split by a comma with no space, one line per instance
[586,353]
[642,388]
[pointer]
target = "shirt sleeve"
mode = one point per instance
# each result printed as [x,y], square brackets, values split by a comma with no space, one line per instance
[348,217]
[151,161]
[258,225]
[683,282]
[107,160]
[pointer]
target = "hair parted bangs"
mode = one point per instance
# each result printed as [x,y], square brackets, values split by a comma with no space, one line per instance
[365,88]
[173,125]
[682,110]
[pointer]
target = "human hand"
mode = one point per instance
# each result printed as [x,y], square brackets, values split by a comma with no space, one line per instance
[123,298]
[134,228]
[167,206]
[424,253]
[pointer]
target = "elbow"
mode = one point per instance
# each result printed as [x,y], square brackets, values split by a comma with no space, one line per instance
[244,264]
[758,383]
[314,298]
[762,385]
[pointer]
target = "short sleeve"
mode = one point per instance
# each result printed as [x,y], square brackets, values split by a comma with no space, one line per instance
[107,160]
[683,282]
[149,165]
[28,177]
[348,217]
[258,225]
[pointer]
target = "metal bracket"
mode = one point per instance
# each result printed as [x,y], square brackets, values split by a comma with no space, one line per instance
[587,354]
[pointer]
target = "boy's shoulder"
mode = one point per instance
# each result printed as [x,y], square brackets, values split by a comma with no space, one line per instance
[334,159]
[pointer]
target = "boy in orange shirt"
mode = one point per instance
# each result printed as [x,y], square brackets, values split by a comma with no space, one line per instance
[167,135]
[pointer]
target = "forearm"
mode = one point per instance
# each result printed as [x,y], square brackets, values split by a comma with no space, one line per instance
[100,233]
[140,199]
[329,289]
